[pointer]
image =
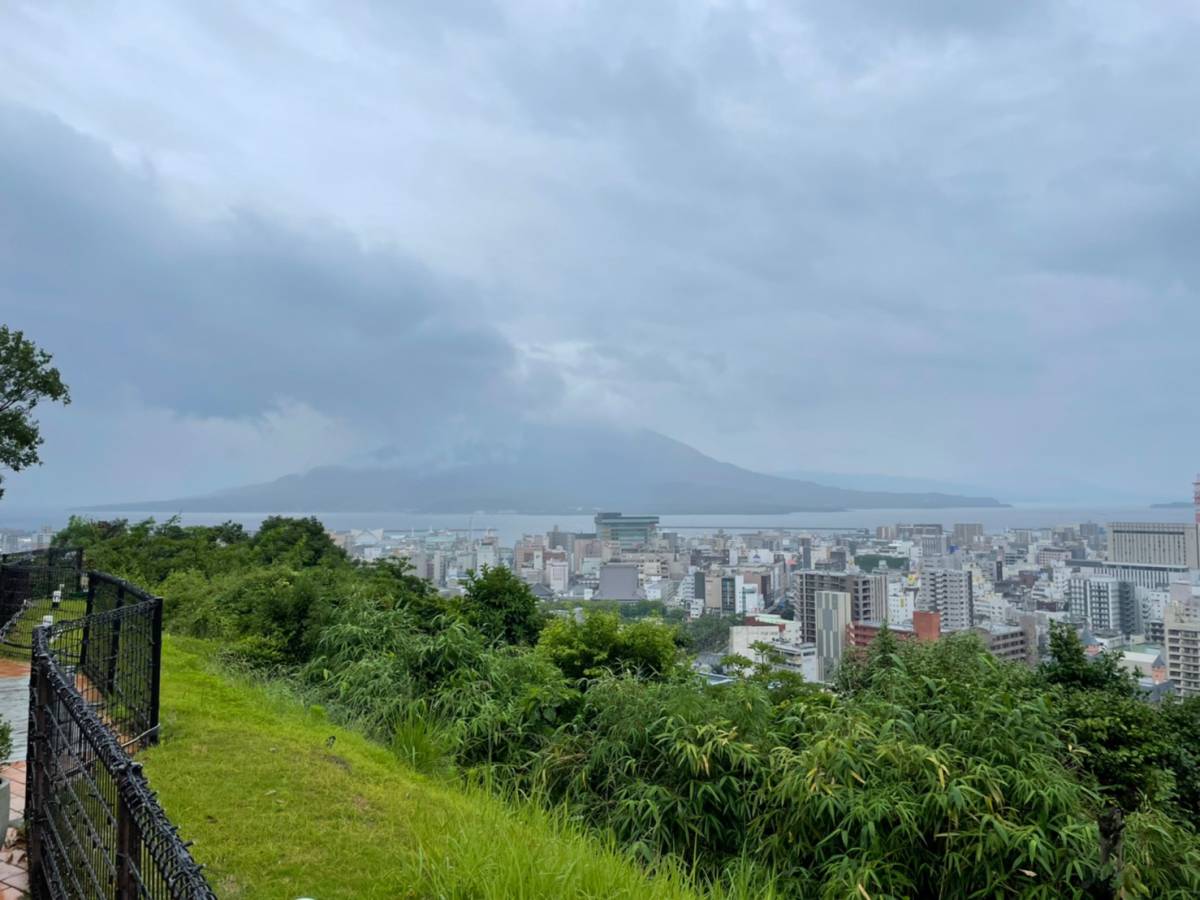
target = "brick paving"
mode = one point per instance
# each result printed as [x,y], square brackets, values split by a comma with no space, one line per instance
[14,706]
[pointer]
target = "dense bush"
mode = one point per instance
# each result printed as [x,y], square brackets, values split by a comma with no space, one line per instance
[930,770]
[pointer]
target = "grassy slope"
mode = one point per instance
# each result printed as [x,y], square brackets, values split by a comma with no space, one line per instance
[274,812]
[22,633]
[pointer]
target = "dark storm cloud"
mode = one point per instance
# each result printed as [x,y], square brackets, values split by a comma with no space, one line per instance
[771,229]
[230,316]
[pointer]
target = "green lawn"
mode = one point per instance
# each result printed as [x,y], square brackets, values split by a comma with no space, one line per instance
[22,633]
[283,804]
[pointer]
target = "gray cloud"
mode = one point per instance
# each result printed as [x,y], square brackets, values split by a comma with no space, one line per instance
[782,232]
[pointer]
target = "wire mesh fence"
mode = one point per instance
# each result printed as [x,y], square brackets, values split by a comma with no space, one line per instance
[30,580]
[95,829]
[115,651]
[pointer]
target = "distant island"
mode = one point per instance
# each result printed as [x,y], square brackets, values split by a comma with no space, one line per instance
[556,470]
[1174,504]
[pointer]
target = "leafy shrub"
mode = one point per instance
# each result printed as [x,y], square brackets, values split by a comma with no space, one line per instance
[600,643]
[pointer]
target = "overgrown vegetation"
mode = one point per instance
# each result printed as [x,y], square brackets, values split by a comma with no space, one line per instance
[932,769]
[281,802]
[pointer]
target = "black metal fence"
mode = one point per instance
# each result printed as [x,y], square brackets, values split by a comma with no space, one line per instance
[32,576]
[95,829]
[116,653]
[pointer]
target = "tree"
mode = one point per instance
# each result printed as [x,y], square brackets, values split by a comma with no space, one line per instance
[1070,667]
[26,378]
[601,643]
[295,542]
[709,633]
[501,606]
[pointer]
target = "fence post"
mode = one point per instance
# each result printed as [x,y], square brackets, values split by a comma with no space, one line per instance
[156,636]
[4,590]
[87,629]
[129,843]
[110,682]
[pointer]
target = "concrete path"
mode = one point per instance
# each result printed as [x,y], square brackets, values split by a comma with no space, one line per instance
[14,704]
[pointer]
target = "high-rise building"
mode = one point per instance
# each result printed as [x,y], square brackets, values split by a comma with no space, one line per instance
[951,593]
[933,546]
[1154,543]
[832,616]
[1105,604]
[627,532]
[966,534]
[865,604]
[1142,575]
[1181,632]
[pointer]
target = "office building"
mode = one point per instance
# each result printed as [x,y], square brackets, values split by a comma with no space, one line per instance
[966,534]
[832,618]
[627,532]
[1154,543]
[1139,575]
[865,603]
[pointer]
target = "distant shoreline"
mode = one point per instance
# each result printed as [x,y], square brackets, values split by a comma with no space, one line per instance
[667,511]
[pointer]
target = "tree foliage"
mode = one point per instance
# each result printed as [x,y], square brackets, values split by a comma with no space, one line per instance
[501,606]
[601,644]
[931,769]
[710,633]
[26,379]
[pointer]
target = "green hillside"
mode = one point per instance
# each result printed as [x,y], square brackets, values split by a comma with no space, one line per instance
[281,804]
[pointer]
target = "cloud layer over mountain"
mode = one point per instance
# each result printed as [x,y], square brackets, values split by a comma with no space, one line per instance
[940,240]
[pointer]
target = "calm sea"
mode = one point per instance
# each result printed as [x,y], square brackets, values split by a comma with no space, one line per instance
[510,527]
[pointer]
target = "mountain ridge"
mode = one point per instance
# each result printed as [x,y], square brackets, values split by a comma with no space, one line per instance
[556,470]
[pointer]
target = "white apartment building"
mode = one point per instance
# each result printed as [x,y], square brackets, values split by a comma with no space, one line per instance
[1106,604]
[1181,631]
[558,575]
[901,601]
[949,592]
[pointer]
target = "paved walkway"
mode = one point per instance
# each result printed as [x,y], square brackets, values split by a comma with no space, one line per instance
[14,708]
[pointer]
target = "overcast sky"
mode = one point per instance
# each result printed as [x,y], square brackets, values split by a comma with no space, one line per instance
[941,239]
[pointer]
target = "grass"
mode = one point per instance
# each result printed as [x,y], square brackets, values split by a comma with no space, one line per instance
[281,803]
[21,634]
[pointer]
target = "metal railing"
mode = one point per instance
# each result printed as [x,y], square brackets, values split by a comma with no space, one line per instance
[32,576]
[116,652]
[95,829]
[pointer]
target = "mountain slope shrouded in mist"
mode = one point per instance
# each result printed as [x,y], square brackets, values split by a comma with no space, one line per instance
[555,470]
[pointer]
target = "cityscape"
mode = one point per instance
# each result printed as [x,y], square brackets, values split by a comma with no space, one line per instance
[814,596]
[687,450]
